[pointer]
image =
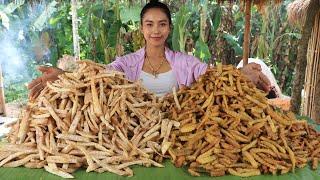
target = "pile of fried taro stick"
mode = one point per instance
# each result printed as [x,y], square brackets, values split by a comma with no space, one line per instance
[90,118]
[227,126]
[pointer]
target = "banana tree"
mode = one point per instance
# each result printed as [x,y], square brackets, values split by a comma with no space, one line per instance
[179,29]
[202,49]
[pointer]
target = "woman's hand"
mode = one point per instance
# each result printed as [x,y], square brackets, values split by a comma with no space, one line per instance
[253,72]
[38,84]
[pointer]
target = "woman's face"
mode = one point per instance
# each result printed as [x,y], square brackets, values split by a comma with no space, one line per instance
[155,27]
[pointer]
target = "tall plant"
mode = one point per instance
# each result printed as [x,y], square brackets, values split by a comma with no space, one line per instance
[179,29]
[276,44]
[202,49]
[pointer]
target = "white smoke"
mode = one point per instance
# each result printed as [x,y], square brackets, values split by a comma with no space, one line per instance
[11,59]
[18,38]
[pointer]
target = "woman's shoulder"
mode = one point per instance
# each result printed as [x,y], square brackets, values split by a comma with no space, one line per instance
[131,56]
[181,56]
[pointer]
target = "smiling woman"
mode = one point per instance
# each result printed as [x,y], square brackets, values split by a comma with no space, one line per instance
[159,68]
[168,68]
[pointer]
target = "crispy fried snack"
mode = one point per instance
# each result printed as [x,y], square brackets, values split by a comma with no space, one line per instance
[227,126]
[90,118]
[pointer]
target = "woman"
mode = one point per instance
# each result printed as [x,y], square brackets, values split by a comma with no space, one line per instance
[159,68]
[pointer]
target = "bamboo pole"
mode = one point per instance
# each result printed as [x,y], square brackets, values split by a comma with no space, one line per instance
[246,40]
[315,113]
[76,45]
[308,85]
[313,63]
[2,98]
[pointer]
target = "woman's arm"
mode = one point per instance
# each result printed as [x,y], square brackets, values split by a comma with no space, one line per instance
[198,68]
[118,64]
[38,84]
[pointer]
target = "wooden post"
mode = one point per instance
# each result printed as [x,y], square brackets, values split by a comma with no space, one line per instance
[246,40]
[2,99]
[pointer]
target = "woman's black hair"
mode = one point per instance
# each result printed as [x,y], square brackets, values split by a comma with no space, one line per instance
[156,4]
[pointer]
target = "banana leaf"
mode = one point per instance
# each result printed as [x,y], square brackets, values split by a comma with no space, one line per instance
[41,22]
[143,173]
[233,42]
[130,14]
[113,33]
[179,28]
[202,50]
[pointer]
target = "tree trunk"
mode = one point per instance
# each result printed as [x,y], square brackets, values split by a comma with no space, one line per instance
[76,45]
[246,40]
[300,68]
[203,20]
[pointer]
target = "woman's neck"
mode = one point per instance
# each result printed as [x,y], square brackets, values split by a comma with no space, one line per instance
[155,52]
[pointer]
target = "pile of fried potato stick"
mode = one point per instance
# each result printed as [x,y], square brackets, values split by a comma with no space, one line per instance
[227,126]
[89,118]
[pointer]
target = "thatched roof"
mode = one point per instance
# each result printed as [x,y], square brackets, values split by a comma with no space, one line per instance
[297,12]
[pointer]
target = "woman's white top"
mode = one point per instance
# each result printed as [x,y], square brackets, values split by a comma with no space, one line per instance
[160,85]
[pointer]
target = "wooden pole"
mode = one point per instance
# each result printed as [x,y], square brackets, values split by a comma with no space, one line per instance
[2,99]
[76,45]
[246,40]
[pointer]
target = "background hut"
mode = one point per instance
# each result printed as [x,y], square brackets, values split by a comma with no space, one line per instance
[306,15]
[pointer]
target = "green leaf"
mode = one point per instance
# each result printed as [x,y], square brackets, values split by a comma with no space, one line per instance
[113,33]
[5,20]
[143,173]
[292,35]
[233,42]
[179,28]
[216,20]
[11,7]
[98,10]
[202,50]
[130,14]
[41,21]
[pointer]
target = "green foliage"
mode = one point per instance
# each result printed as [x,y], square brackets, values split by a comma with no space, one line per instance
[107,26]
[130,14]
[276,43]
[233,42]
[41,21]
[113,33]
[6,12]
[16,91]
[215,21]
[179,28]
[202,50]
